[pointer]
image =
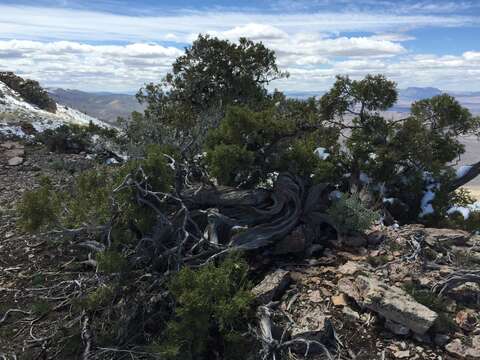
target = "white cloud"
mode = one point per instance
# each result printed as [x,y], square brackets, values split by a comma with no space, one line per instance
[69,48]
[42,23]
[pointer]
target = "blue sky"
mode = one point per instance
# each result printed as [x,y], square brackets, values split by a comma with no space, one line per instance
[117,45]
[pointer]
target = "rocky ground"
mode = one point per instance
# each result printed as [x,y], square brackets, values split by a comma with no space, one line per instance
[32,266]
[404,293]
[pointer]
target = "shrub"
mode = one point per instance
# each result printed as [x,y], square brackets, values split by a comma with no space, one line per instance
[89,201]
[213,305]
[111,262]
[65,139]
[29,90]
[39,208]
[350,215]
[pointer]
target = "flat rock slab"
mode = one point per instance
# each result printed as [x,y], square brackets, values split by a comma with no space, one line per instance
[272,286]
[392,303]
[445,237]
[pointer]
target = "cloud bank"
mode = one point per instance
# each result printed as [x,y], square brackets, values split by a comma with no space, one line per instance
[94,50]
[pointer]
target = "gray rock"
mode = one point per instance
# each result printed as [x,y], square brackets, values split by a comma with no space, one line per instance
[465,350]
[397,329]
[15,161]
[445,237]
[441,339]
[393,304]
[272,286]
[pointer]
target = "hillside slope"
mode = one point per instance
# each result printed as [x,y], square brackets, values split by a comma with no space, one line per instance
[15,110]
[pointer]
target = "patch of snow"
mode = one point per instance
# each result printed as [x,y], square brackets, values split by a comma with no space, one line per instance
[364,178]
[111,161]
[373,156]
[322,153]
[465,211]
[13,109]
[12,130]
[475,206]
[463,170]
[388,200]
[426,204]
[335,195]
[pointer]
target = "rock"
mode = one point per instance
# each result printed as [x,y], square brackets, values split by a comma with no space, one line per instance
[425,338]
[441,339]
[309,323]
[402,354]
[353,240]
[375,237]
[347,287]
[466,320]
[11,145]
[339,300]
[393,304]
[272,286]
[467,293]
[15,152]
[467,350]
[15,161]
[315,296]
[396,328]
[445,237]
[291,244]
[350,268]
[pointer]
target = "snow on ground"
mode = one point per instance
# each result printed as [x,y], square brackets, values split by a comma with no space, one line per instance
[13,110]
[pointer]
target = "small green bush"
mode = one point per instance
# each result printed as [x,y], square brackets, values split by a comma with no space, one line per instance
[350,215]
[39,208]
[213,306]
[99,298]
[111,262]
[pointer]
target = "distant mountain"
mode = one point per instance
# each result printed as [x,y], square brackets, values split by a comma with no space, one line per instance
[103,105]
[418,93]
[469,99]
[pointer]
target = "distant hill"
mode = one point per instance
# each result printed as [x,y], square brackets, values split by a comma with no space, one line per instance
[104,106]
[418,93]
[469,99]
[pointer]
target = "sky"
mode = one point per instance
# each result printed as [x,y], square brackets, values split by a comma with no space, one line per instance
[118,45]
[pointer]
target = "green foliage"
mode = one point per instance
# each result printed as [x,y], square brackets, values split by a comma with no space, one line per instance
[41,308]
[111,262]
[228,162]
[74,138]
[101,297]
[249,145]
[213,306]
[350,215]
[39,208]
[29,90]
[89,202]
[211,75]
[405,155]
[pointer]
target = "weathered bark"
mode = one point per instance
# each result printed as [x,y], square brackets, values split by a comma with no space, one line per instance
[471,174]
[265,216]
